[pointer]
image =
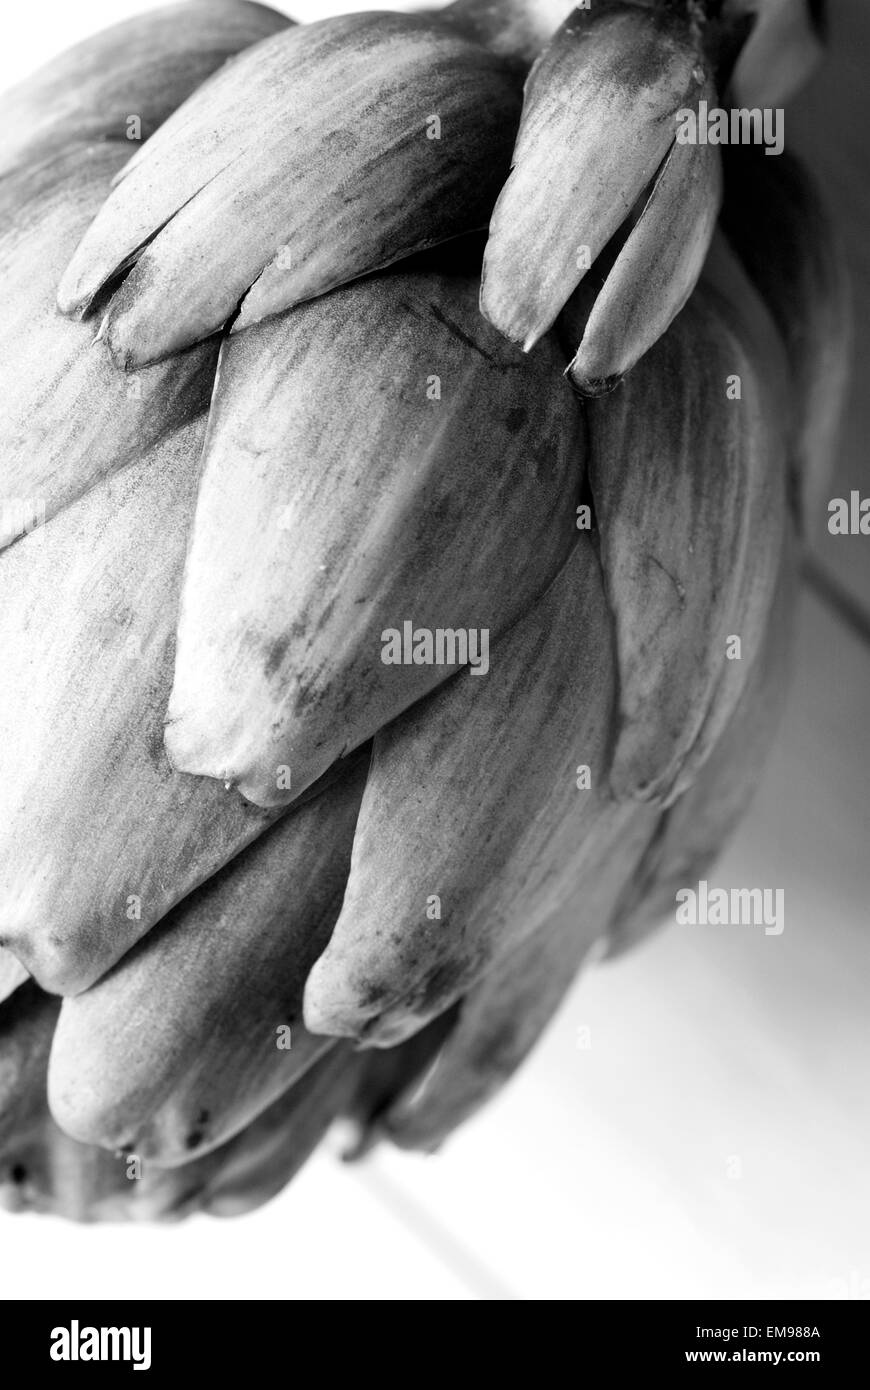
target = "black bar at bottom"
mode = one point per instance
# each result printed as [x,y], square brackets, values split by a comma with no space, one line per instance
[224,1339]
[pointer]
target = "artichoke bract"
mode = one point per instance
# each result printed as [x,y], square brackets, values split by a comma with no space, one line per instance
[404,470]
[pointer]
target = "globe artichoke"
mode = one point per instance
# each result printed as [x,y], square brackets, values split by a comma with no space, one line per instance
[371,580]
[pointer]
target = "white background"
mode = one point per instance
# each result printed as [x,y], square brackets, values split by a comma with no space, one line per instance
[605,1171]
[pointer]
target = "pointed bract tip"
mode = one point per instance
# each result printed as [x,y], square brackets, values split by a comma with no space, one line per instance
[508,319]
[591,387]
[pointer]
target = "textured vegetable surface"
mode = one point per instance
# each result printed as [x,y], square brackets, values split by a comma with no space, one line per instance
[393,455]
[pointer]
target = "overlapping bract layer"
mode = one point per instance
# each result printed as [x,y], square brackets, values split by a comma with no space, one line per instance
[307,162]
[123,83]
[43,1169]
[598,134]
[473,799]
[372,455]
[444,495]
[72,418]
[216,989]
[100,837]
[690,549]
